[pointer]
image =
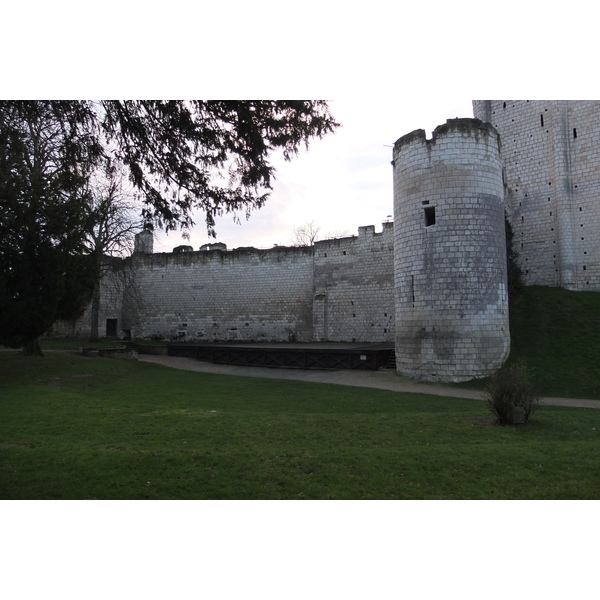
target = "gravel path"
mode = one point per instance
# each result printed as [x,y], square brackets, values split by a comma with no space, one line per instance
[383,380]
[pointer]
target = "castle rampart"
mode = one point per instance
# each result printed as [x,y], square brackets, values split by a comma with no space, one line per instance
[434,281]
[450,255]
[337,290]
[354,287]
[238,295]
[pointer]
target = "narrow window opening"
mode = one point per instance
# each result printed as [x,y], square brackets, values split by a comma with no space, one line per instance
[504,105]
[542,120]
[574,132]
[412,288]
[429,216]
[584,267]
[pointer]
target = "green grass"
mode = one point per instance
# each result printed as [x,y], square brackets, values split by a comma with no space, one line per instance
[557,334]
[82,428]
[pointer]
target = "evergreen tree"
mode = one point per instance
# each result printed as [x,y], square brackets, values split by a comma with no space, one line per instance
[45,272]
[211,156]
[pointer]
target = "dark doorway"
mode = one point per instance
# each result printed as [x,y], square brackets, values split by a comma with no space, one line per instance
[111,327]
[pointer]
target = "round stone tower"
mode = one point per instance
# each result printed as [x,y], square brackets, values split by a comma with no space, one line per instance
[450,253]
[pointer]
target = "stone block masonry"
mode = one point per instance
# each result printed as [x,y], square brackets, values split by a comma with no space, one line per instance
[551,160]
[450,254]
[337,290]
[354,287]
[239,295]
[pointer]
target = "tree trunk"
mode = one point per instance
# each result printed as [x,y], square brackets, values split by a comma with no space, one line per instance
[95,313]
[33,349]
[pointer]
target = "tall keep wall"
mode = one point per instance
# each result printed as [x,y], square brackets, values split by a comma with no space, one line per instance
[450,255]
[551,160]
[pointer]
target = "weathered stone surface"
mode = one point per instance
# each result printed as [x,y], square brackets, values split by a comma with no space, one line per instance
[337,290]
[551,160]
[450,255]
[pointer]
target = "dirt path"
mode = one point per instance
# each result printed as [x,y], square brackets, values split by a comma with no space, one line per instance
[383,380]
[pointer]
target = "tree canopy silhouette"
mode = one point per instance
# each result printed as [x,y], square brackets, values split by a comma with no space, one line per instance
[182,156]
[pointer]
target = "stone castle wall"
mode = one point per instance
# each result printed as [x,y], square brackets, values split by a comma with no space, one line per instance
[113,286]
[551,157]
[337,290]
[450,259]
[239,295]
[354,287]
[441,294]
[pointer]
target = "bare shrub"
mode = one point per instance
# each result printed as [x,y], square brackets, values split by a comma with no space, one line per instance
[510,394]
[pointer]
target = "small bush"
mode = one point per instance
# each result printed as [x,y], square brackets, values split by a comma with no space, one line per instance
[510,394]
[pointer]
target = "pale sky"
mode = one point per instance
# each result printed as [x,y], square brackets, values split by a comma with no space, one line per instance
[342,182]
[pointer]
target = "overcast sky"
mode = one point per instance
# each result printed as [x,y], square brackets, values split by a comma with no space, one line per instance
[342,182]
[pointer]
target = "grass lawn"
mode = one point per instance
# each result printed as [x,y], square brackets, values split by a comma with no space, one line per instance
[82,428]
